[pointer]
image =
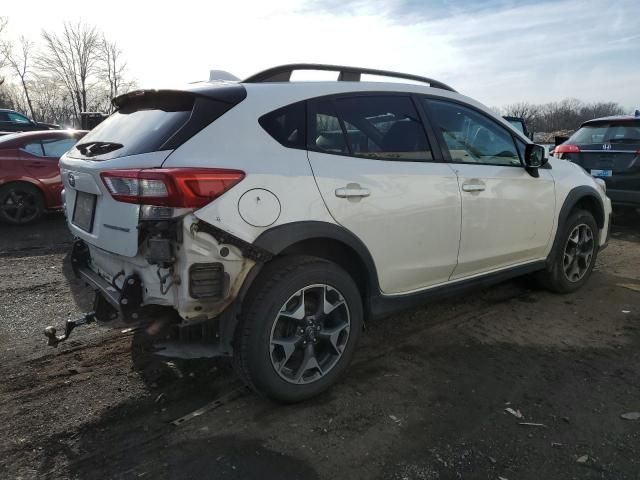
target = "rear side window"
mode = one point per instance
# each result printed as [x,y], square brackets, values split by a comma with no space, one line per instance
[325,130]
[287,125]
[382,127]
[610,132]
[34,148]
[57,147]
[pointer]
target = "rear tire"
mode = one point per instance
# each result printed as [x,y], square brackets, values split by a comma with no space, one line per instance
[298,329]
[576,254]
[20,203]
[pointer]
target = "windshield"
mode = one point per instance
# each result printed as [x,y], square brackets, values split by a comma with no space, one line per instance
[142,125]
[609,132]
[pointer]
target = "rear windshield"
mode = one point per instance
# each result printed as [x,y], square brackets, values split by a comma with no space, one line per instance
[609,132]
[142,125]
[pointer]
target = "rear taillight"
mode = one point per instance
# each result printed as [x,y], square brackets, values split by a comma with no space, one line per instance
[566,148]
[170,187]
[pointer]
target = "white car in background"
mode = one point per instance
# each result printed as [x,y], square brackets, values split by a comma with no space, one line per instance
[267,219]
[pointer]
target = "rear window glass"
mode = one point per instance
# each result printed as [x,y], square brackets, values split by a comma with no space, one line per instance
[613,132]
[142,125]
[287,125]
[57,147]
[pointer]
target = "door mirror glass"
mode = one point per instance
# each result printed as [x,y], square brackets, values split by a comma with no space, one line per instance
[534,156]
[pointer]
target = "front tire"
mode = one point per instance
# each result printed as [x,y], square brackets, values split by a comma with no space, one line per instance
[576,254]
[298,329]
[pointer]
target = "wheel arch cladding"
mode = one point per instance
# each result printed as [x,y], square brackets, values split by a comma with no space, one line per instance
[582,197]
[328,241]
[586,198]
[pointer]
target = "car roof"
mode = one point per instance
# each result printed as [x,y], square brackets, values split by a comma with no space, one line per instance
[613,118]
[14,139]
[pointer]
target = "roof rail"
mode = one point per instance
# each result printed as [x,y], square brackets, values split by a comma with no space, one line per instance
[347,74]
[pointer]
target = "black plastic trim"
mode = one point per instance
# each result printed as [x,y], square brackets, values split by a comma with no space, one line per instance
[381,306]
[277,239]
[283,73]
[571,200]
[251,251]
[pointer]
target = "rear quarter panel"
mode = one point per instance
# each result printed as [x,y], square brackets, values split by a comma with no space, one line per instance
[237,141]
[12,169]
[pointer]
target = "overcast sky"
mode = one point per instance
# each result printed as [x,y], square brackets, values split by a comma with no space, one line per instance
[497,51]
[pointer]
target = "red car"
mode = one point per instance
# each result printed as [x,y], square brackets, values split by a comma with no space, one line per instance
[29,174]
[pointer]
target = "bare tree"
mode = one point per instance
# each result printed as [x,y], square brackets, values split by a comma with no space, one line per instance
[113,67]
[527,111]
[72,58]
[3,25]
[19,59]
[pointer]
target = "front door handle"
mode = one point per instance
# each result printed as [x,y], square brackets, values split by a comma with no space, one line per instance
[474,186]
[352,190]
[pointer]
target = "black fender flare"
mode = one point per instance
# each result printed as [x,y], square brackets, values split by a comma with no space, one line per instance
[279,238]
[271,243]
[574,196]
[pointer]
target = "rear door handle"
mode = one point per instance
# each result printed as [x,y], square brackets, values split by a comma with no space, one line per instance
[352,190]
[474,186]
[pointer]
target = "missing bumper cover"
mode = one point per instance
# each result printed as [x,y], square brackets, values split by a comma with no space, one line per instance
[207,281]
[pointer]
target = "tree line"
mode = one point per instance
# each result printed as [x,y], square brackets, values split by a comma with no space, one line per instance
[77,69]
[565,115]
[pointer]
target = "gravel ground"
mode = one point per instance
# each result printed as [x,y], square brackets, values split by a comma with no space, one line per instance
[424,399]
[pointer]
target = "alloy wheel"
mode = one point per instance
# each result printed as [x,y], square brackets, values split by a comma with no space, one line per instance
[309,334]
[19,206]
[578,252]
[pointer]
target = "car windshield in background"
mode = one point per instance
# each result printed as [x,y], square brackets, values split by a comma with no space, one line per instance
[610,132]
[140,126]
[517,125]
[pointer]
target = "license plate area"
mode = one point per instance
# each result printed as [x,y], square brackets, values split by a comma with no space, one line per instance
[601,173]
[84,211]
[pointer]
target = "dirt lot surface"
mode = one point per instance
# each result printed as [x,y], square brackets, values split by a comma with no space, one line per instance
[424,399]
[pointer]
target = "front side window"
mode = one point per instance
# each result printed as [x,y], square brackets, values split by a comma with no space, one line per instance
[472,137]
[382,127]
[57,147]
[34,148]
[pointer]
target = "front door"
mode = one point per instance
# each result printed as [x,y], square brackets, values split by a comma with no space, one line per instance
[380,178]
[507,214]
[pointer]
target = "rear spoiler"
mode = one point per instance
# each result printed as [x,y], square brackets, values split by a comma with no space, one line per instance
[231,93]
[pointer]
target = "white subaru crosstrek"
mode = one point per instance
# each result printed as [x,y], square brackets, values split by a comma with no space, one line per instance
[266,219]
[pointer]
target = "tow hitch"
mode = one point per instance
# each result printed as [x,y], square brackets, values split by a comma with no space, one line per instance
[102,311]
[54,340]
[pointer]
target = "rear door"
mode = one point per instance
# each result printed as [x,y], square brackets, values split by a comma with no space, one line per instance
[507,214]
[380,178]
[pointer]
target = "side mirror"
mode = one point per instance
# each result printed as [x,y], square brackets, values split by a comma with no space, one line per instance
[534,156]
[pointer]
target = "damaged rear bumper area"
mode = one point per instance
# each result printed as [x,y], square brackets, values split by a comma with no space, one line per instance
[185,277]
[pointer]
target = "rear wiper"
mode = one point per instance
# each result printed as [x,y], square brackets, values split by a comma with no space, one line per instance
[96,148]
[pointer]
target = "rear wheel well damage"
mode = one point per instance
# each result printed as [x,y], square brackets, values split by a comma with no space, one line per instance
[324,248]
